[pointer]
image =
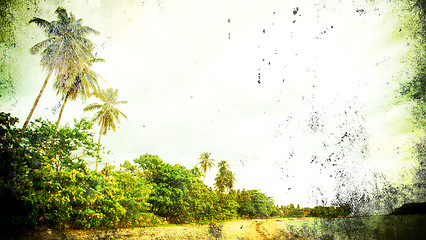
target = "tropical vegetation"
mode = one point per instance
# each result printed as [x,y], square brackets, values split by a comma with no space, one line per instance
[45,180]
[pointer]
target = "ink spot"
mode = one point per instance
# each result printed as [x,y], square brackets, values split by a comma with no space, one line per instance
[360,11]
[295,10]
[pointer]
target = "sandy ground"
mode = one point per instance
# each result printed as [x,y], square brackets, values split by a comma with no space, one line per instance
[239,230]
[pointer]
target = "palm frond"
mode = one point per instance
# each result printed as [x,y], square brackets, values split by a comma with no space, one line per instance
[87,30]
[120,102]
[97,60]
[122,113]
[62,15]
[42,45]
[41,23]
[92,106]
[98,117]
[111,124]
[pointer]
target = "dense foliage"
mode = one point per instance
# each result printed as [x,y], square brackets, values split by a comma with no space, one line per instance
[45,180]
[253,203]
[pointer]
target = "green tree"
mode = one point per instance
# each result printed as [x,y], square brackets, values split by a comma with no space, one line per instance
[179,195]
[253,203]
[171,186]
[65,51]
[206,163]
[65,148]
[107,113]
[135,191]
[224,178]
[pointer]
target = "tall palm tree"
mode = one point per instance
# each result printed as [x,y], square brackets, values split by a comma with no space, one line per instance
[66,48]
[107,113]
[83,84]
[206,163]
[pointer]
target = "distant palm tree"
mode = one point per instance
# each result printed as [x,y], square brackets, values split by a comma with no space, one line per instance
[220,182]
[107,113]
[206,163]
[83,84]
[230,179]
[65,50]
[224,178]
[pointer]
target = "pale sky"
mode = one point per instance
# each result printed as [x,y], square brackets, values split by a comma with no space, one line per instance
[190,71]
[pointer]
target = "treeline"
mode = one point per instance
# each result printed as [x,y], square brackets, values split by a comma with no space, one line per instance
[318,211]
[45,180]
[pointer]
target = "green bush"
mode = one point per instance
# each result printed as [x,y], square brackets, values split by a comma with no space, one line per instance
[253,203]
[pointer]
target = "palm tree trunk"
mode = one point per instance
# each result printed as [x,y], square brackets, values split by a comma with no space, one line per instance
[36,101]
[62,109]
[99,147]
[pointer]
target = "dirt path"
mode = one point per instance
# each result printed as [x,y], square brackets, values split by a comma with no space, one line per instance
[238,230]
[268,229]
[261,230]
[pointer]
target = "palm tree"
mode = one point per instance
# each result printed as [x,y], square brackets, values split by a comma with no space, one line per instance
[65,50]
[206,163]
[223,165]
[80,84]
[230,179]
[107,113]
[224,178]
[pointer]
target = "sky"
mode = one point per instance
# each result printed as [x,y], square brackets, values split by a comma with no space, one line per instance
[297,96]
